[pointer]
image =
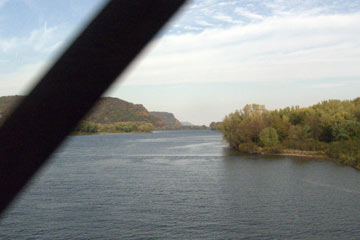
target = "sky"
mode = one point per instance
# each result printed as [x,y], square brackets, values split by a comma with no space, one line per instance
[213,58]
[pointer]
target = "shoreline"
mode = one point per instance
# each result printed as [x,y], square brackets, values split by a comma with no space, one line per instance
[301,153]
[99,133]
[292,152]
[304,154]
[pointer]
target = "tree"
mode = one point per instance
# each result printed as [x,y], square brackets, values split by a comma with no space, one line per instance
[300,133]
[244,126]
[269,137]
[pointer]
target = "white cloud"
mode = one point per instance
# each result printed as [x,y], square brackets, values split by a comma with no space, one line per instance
[192,28]
[42,40]
[284,48]
[8,44]
[245,13]
[227,3]
[226,18]
[204,23]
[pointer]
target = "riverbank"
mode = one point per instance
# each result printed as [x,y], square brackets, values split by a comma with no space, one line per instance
[99,133]
[289,152]
[304,154]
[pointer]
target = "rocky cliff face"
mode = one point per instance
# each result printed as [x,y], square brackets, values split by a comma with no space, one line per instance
[168,118]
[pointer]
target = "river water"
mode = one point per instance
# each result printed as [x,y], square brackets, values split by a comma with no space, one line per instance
[183,185]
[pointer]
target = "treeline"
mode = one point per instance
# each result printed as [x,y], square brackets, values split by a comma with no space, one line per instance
[86,127]
[330,127]
[182,127]
[215,125]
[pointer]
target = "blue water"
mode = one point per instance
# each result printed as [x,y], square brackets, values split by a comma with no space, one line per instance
[183,185]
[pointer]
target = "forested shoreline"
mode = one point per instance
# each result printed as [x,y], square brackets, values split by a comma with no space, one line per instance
[86,127]
[112,115]
[330,128]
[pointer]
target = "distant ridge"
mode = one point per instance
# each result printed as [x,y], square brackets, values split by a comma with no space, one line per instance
[111,110]
[108,110]
[168,118]
[113,113]
[187,124]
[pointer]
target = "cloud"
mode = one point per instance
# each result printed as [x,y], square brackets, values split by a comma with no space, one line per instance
[192,28]
[227,3]
[226,18]
[8,44]
[245,13]
[41,40]
[204,23]
[286,48]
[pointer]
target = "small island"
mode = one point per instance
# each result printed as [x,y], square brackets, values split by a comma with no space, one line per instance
[328,130]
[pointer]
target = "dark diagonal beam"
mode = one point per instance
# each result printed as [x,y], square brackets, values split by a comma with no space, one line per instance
[73,85]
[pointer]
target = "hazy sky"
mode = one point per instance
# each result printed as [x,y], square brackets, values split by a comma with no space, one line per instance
[214,57]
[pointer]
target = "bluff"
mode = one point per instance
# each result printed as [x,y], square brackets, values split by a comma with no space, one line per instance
[108,110]
[168,119]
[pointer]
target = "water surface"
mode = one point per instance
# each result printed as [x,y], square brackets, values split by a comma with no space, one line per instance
[183,185]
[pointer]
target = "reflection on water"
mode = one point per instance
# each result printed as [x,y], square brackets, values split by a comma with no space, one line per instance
[183,185]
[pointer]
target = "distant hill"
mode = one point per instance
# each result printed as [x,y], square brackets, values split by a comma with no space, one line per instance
[168,118]
[111,110]
[114,115]
[107,111]
[187,124]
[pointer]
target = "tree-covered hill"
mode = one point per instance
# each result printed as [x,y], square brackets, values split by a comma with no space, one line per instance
[109,115]
[168,118]
[110,110]
[330,128]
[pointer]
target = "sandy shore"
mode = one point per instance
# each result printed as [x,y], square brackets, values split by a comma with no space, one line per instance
[307,154]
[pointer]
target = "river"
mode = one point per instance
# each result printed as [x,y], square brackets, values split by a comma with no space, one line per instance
[183,185]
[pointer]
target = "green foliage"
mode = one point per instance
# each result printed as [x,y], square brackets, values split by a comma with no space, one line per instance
[346,152]
[269,137]
[248,147]
[245,125]
[119,127]
[280,123]
[113,110]
[87,127]
[331,127]
[308,145]
[300,133]
[278,148]
[216,125]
